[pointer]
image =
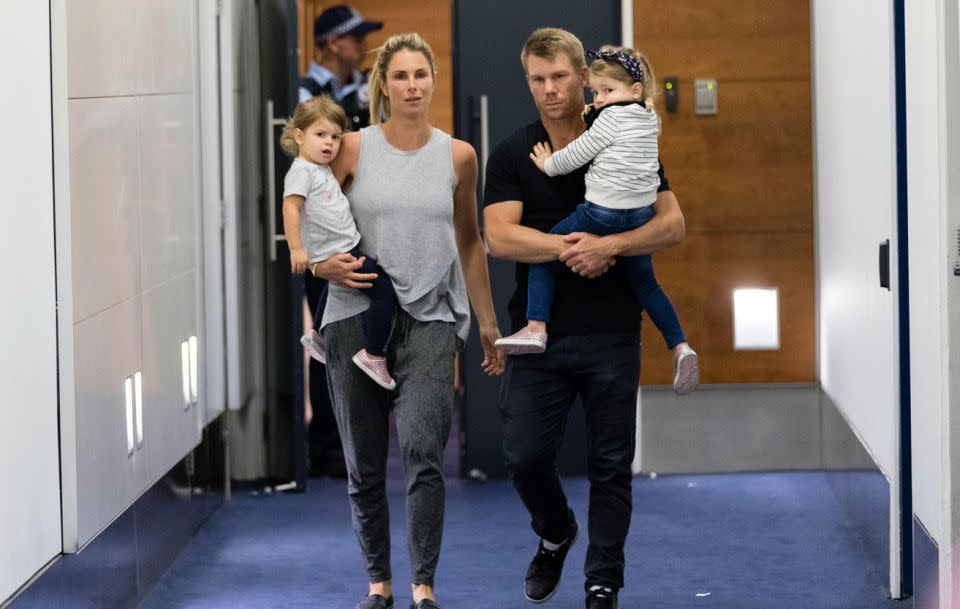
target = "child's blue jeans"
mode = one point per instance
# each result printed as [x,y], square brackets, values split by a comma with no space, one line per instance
[601,221]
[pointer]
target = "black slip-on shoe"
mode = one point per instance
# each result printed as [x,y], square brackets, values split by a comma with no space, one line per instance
[424,604]
[601,597]
[543,576]
[376,601]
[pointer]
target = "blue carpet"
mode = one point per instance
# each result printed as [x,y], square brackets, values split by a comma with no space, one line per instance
[745,541]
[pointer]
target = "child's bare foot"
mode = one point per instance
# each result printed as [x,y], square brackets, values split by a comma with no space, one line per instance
[531,339]
[686,369]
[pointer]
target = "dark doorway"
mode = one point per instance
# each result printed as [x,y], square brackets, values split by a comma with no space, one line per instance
[488,37]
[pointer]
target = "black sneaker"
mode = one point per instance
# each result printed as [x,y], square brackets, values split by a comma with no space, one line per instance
[600,597]
[376,601]
[543,576]
[424,604]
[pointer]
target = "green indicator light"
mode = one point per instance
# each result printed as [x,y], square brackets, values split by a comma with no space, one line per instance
[710,85]
[669,85]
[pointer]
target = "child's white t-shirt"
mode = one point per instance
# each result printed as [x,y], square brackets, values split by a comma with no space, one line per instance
[326,226]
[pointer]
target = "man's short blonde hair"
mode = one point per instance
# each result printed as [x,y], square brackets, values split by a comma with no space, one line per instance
[548,42]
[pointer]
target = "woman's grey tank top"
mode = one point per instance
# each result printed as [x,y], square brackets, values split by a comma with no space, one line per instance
[402,201]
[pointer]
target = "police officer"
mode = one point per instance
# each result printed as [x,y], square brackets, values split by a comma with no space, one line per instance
[339,34]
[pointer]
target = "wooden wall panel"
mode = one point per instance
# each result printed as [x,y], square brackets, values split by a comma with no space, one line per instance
[700,19]
[432,19]
[743,178]
[699,278]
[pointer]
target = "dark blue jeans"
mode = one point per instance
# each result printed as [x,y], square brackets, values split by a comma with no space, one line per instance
[601,221]
[383,302]
[536,395]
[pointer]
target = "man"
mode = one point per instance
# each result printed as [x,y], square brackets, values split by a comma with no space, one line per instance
[594,348]
[339,34]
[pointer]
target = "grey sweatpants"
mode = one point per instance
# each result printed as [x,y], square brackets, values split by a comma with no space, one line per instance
[420,355]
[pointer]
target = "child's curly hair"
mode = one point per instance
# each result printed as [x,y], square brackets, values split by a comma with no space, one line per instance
[306,114]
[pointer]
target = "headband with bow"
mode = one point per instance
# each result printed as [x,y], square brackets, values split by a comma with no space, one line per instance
[631,65]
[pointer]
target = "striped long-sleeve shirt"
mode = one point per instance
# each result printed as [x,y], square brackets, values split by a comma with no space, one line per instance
[622,143]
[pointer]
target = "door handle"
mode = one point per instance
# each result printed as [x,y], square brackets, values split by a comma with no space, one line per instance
[885,264]
[484,138]
[270,197]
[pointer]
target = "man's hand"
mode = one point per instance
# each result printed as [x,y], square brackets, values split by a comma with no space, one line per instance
[588,255]
[541,152]
[494,360]
[341,270]
[298,261]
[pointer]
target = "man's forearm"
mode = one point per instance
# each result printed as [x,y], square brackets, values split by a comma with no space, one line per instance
[523,244]
[664,230]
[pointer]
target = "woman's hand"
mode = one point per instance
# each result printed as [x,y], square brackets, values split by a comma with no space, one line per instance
[298,261]
[341,269]
[541,152]
[494,360]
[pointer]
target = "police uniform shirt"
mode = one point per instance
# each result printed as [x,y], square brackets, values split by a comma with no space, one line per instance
[354,96]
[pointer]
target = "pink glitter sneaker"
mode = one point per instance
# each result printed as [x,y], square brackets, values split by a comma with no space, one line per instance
[524,341]
[313,343]
[376,369]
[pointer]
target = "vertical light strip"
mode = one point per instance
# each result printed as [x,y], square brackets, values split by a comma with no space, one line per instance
[194,369]
[138,395]
[626,23]
[185,372]
[128,392]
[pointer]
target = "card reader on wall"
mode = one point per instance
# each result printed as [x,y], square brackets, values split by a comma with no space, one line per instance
[671,92]
[705,96]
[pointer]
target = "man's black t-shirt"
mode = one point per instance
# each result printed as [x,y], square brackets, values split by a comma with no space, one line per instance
[581,306]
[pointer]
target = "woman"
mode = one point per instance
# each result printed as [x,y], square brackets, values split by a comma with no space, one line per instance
[412,190]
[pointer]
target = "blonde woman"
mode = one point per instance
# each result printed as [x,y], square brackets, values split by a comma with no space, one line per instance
[412,190]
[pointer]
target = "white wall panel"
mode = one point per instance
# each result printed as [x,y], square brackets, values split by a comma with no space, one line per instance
[126,103]
[927,296]
[104,47]
[171,428]
[30,476]
[107,351]
[104,199]
[167,187]
[855,201]
[168,48]
[855,175]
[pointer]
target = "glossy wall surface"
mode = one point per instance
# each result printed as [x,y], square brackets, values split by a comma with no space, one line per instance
[29,475]
[126,93]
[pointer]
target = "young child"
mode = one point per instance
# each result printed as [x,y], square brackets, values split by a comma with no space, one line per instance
[315,209]
[621,187]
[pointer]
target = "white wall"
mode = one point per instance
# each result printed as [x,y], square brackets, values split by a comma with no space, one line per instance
[855,198]
[126,114]
[29,452]
[928,344]
[933,144]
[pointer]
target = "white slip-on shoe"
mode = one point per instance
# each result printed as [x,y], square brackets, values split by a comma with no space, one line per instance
[686,374]
[522,342]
